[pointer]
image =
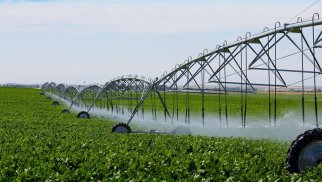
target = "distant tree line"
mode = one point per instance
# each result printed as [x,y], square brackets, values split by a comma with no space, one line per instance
[17,85]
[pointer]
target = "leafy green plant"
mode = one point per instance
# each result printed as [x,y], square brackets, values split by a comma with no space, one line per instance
[39,143]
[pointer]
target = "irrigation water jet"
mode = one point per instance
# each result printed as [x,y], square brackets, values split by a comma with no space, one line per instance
[256,129]
[281,59]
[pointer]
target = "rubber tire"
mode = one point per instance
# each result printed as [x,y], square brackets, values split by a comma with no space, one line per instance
[48,98]
[56,103]
[65,111]
[83,115]
[122,125]
[181,130]
[298,145]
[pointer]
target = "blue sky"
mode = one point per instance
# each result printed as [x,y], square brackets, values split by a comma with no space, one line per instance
[92,41]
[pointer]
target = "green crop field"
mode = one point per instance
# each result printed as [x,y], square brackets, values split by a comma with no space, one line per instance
[39,143]
[257,105]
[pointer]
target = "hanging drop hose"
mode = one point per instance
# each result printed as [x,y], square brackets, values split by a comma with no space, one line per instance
[219,95]
[188,101]
[269,85]
[203,97]
[275,74]
[303,98]
[131,100]
[246,87]
[173,105]
[315,95]
[226,106]
[152,107]
[165,102]
[155,108]
[241,89]
[177,103]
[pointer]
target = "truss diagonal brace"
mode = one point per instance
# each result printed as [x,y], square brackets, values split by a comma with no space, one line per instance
[262,52]
[241,74]
[319,39]
[226,61]
[277,74]
[202,66]
[151,89]
[314,61]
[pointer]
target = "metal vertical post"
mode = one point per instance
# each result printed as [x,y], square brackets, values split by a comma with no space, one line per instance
[219,94]
[165,100]
[225,76]
[269,82]
[131,100]
[302,74]
[226,106]
[241,86]
[122,102]
[186,117]
[203,97]
[152,106]
[315,95]
[142,111]
[188,93]
[275,72]
[173,106]
[248,34]
[177,102]
[155,108]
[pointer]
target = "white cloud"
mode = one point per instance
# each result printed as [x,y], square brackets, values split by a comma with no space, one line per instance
[142,17]
[73,58]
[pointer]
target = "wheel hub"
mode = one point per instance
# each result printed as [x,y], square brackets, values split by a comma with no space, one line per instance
[121,129]
[310,156]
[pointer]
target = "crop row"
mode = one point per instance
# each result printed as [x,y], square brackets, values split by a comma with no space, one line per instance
[256,105]
[38,143]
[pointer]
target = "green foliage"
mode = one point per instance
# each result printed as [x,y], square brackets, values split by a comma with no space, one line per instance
[39,143]
[257,104]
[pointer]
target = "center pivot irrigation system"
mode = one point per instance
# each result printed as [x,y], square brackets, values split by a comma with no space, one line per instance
[219,85]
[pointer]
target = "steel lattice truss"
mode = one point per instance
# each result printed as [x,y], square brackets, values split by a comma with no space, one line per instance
[60,90]
[277,58]
[121,94]
[114,95]
[86,96]
[70,93]
[51,87]
[252,62]
[44,86]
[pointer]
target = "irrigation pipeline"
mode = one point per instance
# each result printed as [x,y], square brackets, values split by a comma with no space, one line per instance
[250,64]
